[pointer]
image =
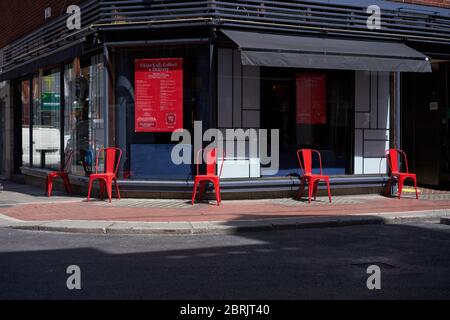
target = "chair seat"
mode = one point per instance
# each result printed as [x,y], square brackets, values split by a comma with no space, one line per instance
[56,173]
[205,176]
[404,174]
[102,175]
[316,176]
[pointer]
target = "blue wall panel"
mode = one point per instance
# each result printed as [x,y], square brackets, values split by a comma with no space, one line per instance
[153,161]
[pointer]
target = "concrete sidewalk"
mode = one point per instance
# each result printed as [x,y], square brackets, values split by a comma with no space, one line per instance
[26,207]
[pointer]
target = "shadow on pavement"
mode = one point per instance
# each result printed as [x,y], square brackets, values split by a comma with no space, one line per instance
[328,263]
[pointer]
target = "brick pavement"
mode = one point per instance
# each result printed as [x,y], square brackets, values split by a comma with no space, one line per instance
[179,210]
[29,205]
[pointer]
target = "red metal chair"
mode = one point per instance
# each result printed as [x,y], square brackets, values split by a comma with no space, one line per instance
[395,167]
[63,173]
[210,176]
[106,178]
[308,177]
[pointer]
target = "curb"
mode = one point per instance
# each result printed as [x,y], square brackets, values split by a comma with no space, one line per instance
[191,228]
[225,227]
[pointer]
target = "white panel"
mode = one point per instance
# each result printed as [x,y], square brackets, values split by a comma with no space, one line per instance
[375,166]
[251,88]
[237,89]
[375,148]
[224,88]
[362,80]
[358,142]
[383,100]
[255,168]
[358,169]
[358,165]
[234,168]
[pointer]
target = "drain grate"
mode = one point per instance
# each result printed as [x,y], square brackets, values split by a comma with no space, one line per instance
[149,203]
[435,196]
[319,201]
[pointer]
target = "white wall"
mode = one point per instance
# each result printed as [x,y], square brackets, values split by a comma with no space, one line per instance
[372,104]
[239,106]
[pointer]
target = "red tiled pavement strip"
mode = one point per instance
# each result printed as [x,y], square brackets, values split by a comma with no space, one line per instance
[228,211]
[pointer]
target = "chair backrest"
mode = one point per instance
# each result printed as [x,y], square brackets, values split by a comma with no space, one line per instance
[112,158]
[305,158]
[211,161]
[394,161]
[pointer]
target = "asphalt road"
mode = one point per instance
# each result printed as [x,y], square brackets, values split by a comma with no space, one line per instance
[329,263]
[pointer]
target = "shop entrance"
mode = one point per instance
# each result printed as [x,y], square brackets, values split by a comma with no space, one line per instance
[312,109]
[425,124]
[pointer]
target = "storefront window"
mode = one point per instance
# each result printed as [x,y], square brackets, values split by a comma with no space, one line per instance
[84,116]
[25,99]
[47,120]
[312,109]
[304,108]
[152,102]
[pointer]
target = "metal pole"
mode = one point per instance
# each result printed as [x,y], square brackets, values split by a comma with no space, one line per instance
[62,107]
[106,95]
[398,127]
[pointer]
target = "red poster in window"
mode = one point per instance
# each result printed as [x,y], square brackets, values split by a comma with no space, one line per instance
[158,95]
[311,99]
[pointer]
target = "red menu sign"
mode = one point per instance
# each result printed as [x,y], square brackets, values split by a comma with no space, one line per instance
[310,92]
[158,95]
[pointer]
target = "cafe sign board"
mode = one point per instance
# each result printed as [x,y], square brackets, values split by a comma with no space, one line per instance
[158,95]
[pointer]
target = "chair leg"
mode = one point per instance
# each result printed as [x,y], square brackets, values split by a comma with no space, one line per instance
[201,190]
[310,189]
[415,187]
[49,186]
[329,191]
[387,192]
[109,189]
[316,187]
[89,189]
[67,185]
[220,195]
[217,191]
[400,186]
[117,189]
[194,192]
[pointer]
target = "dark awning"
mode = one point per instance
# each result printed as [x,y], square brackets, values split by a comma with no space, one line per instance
[60,55]
[272,50]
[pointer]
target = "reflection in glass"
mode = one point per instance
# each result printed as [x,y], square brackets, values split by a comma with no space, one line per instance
[84,125]
[25,97]
[47,120]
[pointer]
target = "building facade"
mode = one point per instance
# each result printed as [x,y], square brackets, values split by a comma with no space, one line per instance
[341,77]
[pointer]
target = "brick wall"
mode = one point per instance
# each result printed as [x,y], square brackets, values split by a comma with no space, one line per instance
[19,17]
[437,3]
